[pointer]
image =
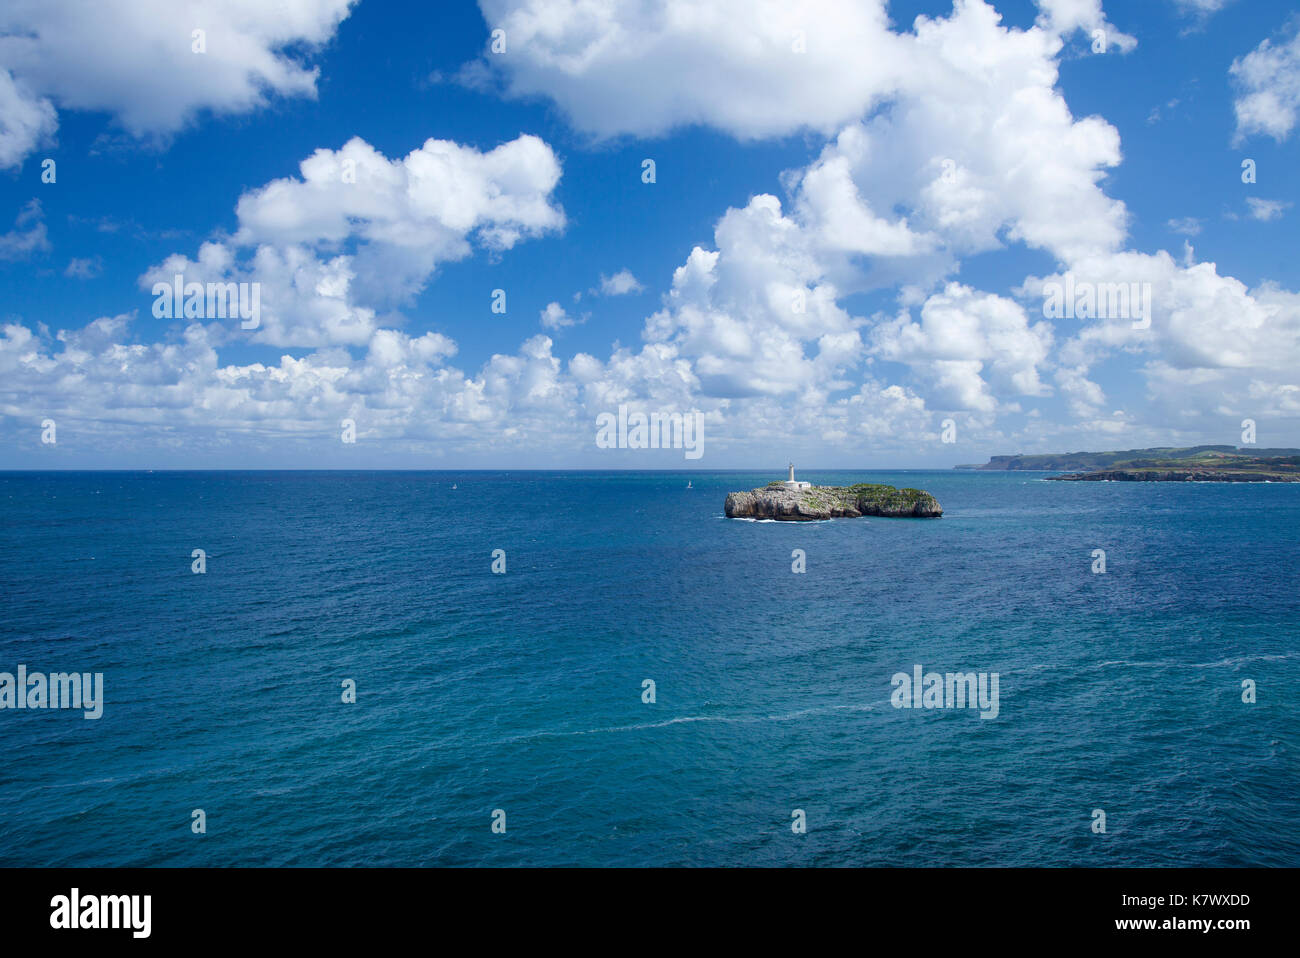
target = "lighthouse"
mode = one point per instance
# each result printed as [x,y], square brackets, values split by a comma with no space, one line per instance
[794,485]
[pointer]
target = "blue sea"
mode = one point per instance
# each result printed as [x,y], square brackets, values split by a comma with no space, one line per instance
[523,691]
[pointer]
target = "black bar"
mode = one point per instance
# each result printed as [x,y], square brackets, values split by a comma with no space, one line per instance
[945,907]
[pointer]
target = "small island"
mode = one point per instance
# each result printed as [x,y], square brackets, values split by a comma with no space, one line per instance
[1193,464]
[794,501]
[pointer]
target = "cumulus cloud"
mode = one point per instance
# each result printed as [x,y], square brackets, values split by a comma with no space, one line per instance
[879,412]
[1084,398]
[979,151]
[756,316]
[976,143]
[1268,86]
[1064,17]
[135,60]
[1213,346]
[356,232]
[620,284]
[971,346]
[554,317]
[753,69]
[759,315]
[26,121]
[401,388]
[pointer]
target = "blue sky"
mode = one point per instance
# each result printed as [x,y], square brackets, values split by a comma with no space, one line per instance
[928,292]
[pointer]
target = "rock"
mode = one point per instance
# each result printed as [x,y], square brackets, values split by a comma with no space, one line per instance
[832,502]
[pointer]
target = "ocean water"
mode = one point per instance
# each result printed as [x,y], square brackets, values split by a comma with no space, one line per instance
[523,691]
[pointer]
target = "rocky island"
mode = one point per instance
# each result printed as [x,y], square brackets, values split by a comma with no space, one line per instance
[803,502]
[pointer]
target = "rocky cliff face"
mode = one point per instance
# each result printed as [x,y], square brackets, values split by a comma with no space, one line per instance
[832,502]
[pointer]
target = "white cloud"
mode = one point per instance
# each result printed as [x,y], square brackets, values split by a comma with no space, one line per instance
[617,67]
[1084,398]
[28,236]
[971,346]
[400,389]
[431,200]
[749,314]
[1268,86]
[356,232]
[1201,7]
[1213,346]
[554,317]
[759,315]
[620,284]
[1266,210]
[84,267]
[134,59]
[831,202]
[754,68]
[1064,17]
[980,149]
[1186,226]
[26,121]
[883,412]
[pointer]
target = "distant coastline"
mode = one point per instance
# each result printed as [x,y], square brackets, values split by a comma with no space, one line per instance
[1189,464]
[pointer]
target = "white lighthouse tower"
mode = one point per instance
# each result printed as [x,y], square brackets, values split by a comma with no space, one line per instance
[794,485]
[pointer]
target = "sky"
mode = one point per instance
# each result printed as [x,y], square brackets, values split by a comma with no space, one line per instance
[836,231]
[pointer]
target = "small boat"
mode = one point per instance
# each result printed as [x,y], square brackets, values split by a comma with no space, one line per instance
[688,484]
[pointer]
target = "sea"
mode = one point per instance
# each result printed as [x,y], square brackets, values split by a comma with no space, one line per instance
[600,669]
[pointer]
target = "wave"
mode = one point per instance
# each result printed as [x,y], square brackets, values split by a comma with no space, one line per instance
[1167,664]
[685,719]
[803,522]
